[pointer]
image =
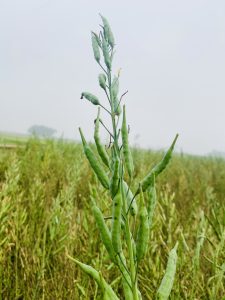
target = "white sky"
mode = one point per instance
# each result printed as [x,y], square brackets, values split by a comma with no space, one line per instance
[172,55]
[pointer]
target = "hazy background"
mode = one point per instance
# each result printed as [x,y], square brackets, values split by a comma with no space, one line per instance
[172,55]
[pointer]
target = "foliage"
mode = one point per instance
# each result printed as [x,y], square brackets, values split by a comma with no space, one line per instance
[48,216]
[45,208]
[126,239]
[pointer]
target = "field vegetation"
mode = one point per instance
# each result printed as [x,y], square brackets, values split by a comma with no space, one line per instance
[45,213]
[59,219]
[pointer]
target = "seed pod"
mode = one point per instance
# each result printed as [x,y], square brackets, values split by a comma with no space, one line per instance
[147,181]
[130,197]
[167,281]
[116,107]
[151,201]
[95,164]
[97,276]
[164,162]
[108,293]
[97,39]
[115,91]
[95,47]
[102,81]
[104,231]
[114,182]
[128,295]
[143,231]
[90,97]
[101,149]
[105,51]
[88,270]
[116,222]
[108,32]
[126,150]
[115,87]
[134,247]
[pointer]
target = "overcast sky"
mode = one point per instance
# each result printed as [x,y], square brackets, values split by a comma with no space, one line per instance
[172,56]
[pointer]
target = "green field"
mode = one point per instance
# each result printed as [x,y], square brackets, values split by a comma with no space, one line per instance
[12,139]
[45,213]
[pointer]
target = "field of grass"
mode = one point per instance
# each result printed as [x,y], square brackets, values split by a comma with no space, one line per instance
[12,139]
[45,213]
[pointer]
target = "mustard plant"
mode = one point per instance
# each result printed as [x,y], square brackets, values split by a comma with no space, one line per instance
[126,239]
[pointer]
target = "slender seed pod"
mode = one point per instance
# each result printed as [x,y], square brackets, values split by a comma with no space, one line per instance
[117,107]
[115,91]
[126,149]
[95,47]
[151,201]
[168,278]
[134,247]
[105,51]
[147,181]
[115,86]
[104,231]
[88,270]
[100,148]
[97,39]
[108,32]
[116,222]
[95,164]
[90,97]
[102,81]
[128,295]
[97,276]
[164,162]
[130,197]
[143,232]
[114,182]
[108,293]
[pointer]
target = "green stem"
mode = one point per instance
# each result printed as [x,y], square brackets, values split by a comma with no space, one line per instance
[127,227]
[112,114]
[130,252]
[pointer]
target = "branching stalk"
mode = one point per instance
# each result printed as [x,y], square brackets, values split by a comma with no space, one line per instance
[120,165]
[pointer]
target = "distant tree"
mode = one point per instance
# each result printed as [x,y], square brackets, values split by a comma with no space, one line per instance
[42,131]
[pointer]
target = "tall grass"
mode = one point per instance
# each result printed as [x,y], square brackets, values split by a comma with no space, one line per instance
[45,209]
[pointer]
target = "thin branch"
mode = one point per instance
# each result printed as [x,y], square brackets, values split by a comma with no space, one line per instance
[124,276]
[131,202]
[105,109]
[107,95]
[121,99]
[111,135]
[125,267]
[102,67]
